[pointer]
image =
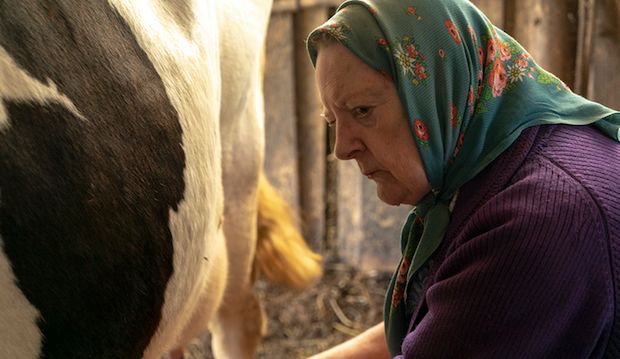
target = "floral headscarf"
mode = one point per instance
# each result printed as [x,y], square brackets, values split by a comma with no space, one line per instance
[469,90]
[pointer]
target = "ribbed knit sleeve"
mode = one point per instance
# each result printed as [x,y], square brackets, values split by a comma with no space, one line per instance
[527,276]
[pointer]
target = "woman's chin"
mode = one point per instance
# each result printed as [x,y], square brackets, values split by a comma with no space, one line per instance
[387,197]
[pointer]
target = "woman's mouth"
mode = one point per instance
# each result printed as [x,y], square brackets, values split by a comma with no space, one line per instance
[370,174]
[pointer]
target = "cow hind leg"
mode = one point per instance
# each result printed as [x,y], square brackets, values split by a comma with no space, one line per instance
[239,327]
[281,256]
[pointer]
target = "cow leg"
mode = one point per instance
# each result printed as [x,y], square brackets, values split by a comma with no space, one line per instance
[239,323]
[239,327]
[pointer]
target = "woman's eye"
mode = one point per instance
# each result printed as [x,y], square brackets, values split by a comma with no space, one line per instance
[361,111]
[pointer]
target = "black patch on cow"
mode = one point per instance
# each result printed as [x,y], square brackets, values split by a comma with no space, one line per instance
[84,204]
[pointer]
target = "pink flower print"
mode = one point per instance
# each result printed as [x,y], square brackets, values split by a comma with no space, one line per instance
[494,31]
[382,41]
[498,78]
[420,71]
[421,131]
[411,10]
[521,61]
[402,271]
[442,53]
[490,51]
[459,144]
[411,51]
[401,281]
[480,84]
[504,51]
[454,116]
[472,33]
[481,55]
[531,73]
[470,96]
[337,30]
[453,31]
[397,295]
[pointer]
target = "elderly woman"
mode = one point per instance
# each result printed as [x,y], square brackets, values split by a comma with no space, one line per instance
[513,248]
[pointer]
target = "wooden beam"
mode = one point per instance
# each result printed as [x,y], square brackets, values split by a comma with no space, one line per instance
[311,130]
[584,46]
[322,3]
[603,82]
[548,30]
[283,6]
[280,117]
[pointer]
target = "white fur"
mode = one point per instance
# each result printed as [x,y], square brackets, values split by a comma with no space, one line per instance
[187,59]
[207,53]
[239,323]
[19,333]
[17,85]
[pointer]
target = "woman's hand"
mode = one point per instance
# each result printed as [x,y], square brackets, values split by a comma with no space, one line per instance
[368,345]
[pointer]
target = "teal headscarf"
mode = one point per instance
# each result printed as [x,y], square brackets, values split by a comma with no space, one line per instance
[469,90]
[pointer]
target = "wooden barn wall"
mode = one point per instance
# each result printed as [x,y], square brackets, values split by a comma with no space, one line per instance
[337,209]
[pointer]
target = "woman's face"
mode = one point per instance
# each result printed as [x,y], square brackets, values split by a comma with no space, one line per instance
[371,125]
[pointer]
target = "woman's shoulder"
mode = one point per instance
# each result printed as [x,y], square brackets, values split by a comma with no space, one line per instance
[584,154]
[564,173]
[579,163]
[555,189]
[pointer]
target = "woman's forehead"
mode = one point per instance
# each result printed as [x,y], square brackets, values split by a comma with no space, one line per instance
[341,72]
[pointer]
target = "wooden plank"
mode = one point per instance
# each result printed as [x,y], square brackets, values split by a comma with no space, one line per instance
[368,229]
[313,3]
[548,30]
[382,227]
[584,46]
[280,118]
[284,6]
[604,80]
[350,222]
[311,130]
[493,9]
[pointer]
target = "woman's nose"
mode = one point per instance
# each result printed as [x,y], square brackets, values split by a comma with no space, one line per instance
[348,143]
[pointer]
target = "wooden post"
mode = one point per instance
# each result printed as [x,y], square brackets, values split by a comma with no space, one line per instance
[584,46]
[280,117]
[349,217]
[548,30]
[493,9]
[597,72]
[311,130]
[368,229]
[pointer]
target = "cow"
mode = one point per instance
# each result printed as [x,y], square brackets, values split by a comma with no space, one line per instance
[133,211]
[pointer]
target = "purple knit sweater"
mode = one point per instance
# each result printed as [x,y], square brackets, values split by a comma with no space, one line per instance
[530,266]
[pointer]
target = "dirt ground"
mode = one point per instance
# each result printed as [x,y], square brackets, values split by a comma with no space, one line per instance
[344,303]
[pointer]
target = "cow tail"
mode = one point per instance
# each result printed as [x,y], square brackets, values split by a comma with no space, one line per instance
[282,255]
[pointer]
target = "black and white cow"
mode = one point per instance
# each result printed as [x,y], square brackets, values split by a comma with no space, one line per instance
[129,130]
